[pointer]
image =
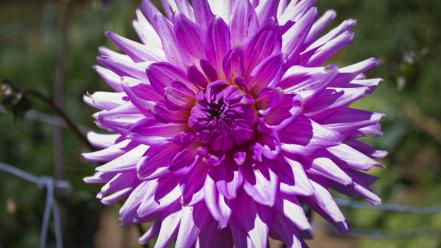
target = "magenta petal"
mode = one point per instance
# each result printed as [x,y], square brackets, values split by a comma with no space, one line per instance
[243,22]
[320,25]
[126,161]
[304,136]
[267,10]
[265,72]
[217,42]
[263,188]
[216,203]
[185,158]
[202,12]
[233,64]
[264,43]
[163,74]
[151,232]
[189,36]
[135,50]
[157,156]
[307,81]
[196,77]
[169,228]
[193,220]
[293,39]
[124,68]
[212,236]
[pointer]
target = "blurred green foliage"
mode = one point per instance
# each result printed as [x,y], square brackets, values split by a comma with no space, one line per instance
[405,34]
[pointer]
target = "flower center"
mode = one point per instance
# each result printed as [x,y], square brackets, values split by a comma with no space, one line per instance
[223,117]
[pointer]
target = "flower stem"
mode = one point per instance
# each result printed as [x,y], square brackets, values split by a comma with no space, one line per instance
[37,95]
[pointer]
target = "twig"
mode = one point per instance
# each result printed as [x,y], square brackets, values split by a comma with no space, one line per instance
[60,74]
[59,112]
[389,207]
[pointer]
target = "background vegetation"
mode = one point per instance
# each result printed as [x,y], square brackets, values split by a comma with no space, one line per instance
[405,34]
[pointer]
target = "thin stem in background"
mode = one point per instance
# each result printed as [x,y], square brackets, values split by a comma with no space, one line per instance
[59,112]
[60,75]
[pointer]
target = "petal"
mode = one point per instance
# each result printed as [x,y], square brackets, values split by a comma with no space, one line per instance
[319,56]
[163,74]
[145,31]
[233,64]
[219,8]
[307,81]
[168,230]
[150,131]
[302,184]
[196,77]
[126,161]
[320,25]
[135,50]
[217,42]
[291,208]
[203,14]
[111,78]
[263,188]
[151,232]
[265,73]
[295,10]
[303,136]
[108,153]
[157,156]
[294,38]
[264,43]
[216,203]
[212,237]
[347,121]
[169,41]
[125,68]
[326,206]
[332,98]
[243,23]
[105,100]
[193,220]
[188,36]
[266,9]
[184,159]
[328,169]
[353,158]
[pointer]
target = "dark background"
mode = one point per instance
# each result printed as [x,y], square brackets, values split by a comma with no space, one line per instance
[405,34]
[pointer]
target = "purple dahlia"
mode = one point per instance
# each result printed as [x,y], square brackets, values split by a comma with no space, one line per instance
[227,123]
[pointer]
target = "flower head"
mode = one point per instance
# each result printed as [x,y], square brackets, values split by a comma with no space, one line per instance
[227,121]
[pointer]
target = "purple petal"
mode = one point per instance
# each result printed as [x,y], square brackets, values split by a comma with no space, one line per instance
[217,42]
[188,36]
[327,168]
[243,23]
[233,64]
[307,81]
[320,25]
[136,51]
[304,136]
[294,38]
[126,161]
[263,188]
[163,74]
[265,72]
[203,13]
[264,43]
[216,203]
[125,68]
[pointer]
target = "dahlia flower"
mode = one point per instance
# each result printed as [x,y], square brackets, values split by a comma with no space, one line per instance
[226,123]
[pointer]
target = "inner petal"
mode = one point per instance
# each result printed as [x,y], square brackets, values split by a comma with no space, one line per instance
[223,117]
